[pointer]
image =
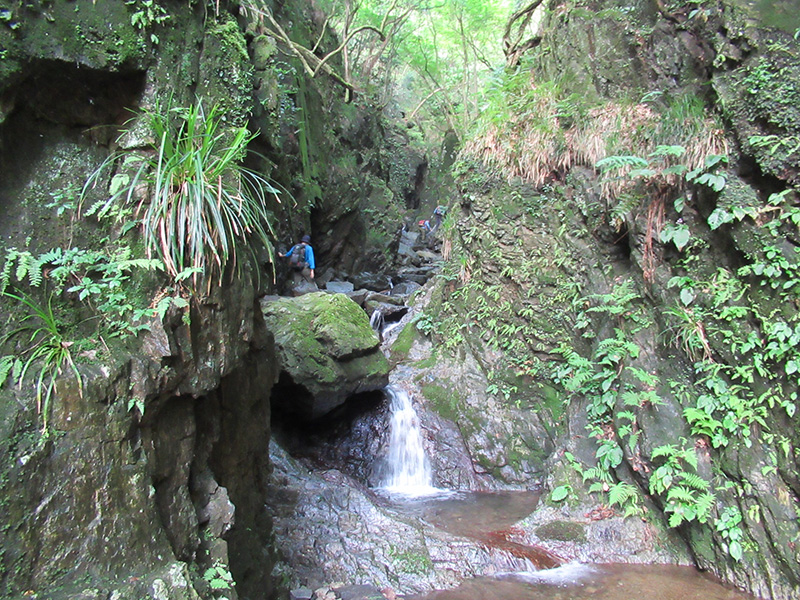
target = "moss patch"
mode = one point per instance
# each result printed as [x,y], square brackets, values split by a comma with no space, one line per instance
[402,345]
[444,401]
[564,531]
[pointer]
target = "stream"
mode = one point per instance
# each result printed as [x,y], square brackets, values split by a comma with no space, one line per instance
[488,519]
[576,581]
[404,537]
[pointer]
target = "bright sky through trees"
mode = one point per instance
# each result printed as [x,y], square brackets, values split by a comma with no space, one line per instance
[434,58]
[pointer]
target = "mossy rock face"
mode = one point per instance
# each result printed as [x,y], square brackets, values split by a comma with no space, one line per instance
[97,36]
[564,531]
[326,348]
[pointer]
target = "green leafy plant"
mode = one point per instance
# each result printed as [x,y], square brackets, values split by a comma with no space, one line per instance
[98,278]
[202,201]
[562,492]
[787,145]
[147,13]
[44,347]
[727,524]
[219,577]
[678,234]
[687,495]
[706,174]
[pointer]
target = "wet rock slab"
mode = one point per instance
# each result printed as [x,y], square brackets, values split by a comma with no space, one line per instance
[330,528]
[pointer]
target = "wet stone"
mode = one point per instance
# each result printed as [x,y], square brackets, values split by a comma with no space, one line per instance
[359,592]
[340,287]
[301,594]
[565,531]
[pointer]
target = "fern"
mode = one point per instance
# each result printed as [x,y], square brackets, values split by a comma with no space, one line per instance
[676,519]
[621,493]
[631,398]
[22,264]
[690,457]
[643,376]
[595,473]
[6,366]
[626,414]
[634,439]
[694,481]
[611,163]
[148,264]
[5,275]
[665,450]
[681,495]
[661,150]
[704,503]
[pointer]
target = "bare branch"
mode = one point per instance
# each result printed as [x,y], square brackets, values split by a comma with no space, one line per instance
[423,101]
[526,11]
[306,56]
[345,42]
[515,48]
[321,35]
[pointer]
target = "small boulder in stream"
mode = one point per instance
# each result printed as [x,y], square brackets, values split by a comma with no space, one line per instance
[327,349]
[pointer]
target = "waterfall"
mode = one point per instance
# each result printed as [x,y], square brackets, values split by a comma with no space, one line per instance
[376,320]
[409,471]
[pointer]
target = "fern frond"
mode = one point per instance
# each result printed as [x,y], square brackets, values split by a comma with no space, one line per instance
[668,151]
[680,494]
[704,504]
[695,481]
[611,163]
[665,450]
[620,493]
[6,364]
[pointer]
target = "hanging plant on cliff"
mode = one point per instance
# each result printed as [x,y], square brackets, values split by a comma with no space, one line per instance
[195,201]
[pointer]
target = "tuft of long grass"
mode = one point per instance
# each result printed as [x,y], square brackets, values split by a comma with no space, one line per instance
[46,347]
[533,132]
[197,203]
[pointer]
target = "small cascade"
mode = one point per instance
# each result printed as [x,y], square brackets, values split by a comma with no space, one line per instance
[376,320]
[408,469]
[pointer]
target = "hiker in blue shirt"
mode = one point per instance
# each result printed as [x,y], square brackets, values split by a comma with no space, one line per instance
[301,260]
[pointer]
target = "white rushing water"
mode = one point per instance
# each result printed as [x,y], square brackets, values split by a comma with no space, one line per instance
[376,320]
[409,471]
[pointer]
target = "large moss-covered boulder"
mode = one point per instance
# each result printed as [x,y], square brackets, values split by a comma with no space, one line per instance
[327,350]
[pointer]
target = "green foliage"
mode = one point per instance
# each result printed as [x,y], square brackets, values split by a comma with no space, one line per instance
[614,163]
[727,524]
[725,403]
[687,330]
[678,234]
[45,345]
[616,390]
[219,577]
[560,493]
[203,202]
[687,495]
[787,145]
[416,562]
[772,91]
[21,264]
[706,174]
[98,278]
[146,14]
[64,199]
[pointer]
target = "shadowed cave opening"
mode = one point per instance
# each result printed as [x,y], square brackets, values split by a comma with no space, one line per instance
[349,438]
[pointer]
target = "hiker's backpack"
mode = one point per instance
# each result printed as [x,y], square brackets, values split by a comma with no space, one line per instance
[297,260]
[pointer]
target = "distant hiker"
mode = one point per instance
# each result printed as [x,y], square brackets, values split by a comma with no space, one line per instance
[425,227]
[301,261]
[438,217]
